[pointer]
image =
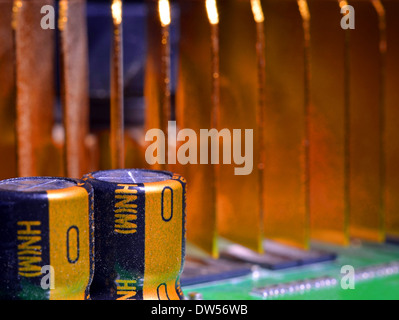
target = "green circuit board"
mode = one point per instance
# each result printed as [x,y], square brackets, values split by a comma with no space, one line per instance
[363,257]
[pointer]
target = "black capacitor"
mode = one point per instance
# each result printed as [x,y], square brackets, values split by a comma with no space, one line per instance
[140,234]
[46,238]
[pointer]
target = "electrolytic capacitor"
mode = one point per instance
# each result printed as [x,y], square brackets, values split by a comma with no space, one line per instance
[140,234]
[46,238]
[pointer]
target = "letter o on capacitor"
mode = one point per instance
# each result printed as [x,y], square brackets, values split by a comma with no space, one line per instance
[140,234]
[46,239]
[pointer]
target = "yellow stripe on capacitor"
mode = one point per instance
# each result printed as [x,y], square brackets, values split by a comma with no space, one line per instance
[163,239]
[69,241]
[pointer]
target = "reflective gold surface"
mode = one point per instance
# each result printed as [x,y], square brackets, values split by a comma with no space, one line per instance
[117,133]
[165,19]
[157,73]
[366,216]
[239,213]
[7,94]
[193,110]
[328,124]
[75,86]
[37,154]
[391,141]
[286,216]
